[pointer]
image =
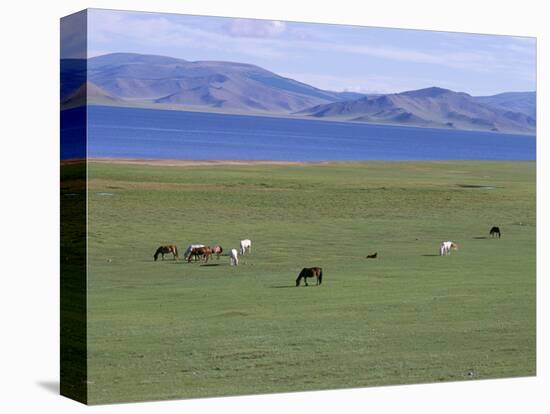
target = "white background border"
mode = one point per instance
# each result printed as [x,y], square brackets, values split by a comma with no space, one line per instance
[29,223]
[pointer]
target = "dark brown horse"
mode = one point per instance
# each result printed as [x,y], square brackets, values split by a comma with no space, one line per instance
[495,231]
[196,253]
[165,250]
[201,252]
[306,272]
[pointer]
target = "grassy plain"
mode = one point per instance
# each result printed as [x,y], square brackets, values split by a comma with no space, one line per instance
[161,330]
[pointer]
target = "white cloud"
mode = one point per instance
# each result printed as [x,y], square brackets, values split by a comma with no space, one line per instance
[261,38]
[254,41]
[255,28]
[154,32]
[479,61]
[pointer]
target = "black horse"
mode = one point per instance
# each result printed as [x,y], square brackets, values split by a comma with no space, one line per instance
[306,272]
[495,231]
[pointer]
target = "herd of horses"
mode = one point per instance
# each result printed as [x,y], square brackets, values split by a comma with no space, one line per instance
[204,253]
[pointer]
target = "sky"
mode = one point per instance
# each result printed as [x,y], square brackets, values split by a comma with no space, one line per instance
[328,56]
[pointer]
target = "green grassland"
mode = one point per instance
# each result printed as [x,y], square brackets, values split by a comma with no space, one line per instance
[169,329]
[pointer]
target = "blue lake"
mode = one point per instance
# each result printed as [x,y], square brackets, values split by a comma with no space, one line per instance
[160,134]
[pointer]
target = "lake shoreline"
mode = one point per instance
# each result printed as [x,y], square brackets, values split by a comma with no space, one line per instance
[209,110]
[213,163]
[190,163]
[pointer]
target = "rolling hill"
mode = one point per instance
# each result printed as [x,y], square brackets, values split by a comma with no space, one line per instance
[524,102]
[226,85]
[161,81]
[429,107]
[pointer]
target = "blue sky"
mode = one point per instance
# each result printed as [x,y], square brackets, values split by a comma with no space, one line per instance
[335,57]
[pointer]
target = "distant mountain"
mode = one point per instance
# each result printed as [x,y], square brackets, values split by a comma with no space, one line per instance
[430,107]
[524,102]
[131,79]
[224,85]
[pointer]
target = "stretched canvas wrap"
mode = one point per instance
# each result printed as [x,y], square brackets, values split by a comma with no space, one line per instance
[253,206]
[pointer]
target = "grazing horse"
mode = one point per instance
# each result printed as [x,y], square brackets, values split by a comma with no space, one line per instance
[165,250]
[204,252]
[196,252]
[246,245]
[217,250]
[372,256]
[190,248]
[234,255]
[495,231]
[306,272]
[446,246]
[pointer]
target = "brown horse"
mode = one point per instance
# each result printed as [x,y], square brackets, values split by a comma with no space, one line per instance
[204,252]
[306,272]
[165,250]
[196,252]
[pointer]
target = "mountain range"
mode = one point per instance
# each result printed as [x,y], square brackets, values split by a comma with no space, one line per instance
[166,82]
[432,107]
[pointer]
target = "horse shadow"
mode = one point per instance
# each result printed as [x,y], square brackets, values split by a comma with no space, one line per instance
[282,286]
[210,264]
[480,237]
[431,255]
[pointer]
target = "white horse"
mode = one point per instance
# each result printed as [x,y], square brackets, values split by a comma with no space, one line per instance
[446,246]
[234,255]
[246,244]
[191,247]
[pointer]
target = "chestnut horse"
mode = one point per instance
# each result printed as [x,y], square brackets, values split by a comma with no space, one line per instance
[191,247]
[165,250]
[306,272]
[204,252]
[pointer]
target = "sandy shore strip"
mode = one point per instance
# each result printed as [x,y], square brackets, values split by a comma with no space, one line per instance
[193,163]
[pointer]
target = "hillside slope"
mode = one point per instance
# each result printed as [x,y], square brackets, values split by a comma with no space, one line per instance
[432,107]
